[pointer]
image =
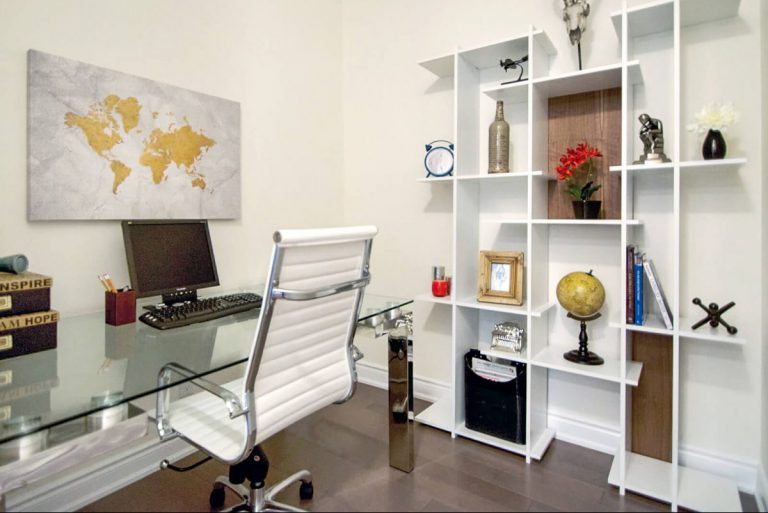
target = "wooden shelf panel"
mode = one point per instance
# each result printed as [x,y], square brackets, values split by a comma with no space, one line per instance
[540,447]
[653,324]
[510,93]
[488,56]
[645,168]
[645,476]
[439,416]
[552,358]
[586,222]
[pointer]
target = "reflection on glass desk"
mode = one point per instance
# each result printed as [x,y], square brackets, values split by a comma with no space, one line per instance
[87,383]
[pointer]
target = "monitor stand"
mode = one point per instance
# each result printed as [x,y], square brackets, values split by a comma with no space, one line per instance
[174,298]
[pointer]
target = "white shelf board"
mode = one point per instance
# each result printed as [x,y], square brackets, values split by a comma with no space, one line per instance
[542,39]
[437,179]
[552,358]
[473,303]
[503,220]
[501,176]
[700,491]
[695,12]
[443,66]
[429,298]
[594,79]
[653,324]
[708,333]
[645,168]
[489,55]
[586,222]
[712,164]
[651,18]
[485,349]
[658,16]
[463,431]
[510,93]
[539,311]
[645,476]
[439,416]
[539,449]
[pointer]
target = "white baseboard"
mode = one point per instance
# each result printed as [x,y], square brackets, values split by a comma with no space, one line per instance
[424,389]
[577,432]
[84,485]
[761,494]
[744,474]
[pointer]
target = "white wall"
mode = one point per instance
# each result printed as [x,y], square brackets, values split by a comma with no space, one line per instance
[280,59]
[392,107]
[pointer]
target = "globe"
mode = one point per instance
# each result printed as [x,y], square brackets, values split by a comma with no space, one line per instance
[581,294]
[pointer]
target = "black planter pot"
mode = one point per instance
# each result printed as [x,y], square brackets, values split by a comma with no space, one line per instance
[715,147]
[587,209]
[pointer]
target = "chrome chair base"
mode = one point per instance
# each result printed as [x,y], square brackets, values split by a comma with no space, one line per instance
[258,499]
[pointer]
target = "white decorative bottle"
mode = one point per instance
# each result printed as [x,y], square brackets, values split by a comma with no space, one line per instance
[498,143]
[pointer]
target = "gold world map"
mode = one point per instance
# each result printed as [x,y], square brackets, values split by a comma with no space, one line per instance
[181,146]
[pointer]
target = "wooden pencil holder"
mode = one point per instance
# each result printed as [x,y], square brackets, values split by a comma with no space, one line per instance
[121,308]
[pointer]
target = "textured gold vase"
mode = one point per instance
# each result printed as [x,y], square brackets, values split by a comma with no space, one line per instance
[498,143]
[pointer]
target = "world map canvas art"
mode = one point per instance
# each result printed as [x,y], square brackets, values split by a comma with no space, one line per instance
[104,145]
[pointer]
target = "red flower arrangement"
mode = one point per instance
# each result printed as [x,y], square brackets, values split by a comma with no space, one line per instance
[578,170]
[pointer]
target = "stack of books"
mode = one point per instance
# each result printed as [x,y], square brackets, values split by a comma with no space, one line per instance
[640,270]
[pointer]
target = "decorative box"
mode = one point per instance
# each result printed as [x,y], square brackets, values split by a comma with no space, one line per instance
[508,336]
[28,333]
[24,293]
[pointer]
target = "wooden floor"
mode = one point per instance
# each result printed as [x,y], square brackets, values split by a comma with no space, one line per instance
[346,449]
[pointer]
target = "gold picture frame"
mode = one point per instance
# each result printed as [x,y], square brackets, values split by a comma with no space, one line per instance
[500,279]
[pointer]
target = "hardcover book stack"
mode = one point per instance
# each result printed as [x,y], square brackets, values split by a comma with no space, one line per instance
[27,323]
[640,270]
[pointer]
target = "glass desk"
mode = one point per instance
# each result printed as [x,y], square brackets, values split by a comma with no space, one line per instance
[98,370]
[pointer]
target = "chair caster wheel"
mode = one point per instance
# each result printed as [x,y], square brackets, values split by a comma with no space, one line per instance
[307,491]
[217,498]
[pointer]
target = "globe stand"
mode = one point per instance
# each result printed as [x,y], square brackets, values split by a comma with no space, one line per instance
[583,355]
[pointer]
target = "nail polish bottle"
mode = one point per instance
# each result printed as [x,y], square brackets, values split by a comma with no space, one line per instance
[441,286]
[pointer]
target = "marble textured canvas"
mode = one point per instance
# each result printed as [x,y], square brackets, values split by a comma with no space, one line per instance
[104,145]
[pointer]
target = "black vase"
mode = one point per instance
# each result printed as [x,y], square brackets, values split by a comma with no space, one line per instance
[587,209]
[714,146]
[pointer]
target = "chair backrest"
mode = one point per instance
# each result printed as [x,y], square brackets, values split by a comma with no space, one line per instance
[302,353]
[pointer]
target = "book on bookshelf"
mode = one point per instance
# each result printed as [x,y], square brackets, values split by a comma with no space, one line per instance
[630,284]
[639,296]
[658,293]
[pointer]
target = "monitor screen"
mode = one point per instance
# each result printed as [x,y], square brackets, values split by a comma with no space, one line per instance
[165,257]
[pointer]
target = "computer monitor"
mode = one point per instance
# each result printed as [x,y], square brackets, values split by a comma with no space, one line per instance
[170,258]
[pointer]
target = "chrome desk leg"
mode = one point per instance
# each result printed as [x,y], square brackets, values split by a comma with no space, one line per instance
[401,448]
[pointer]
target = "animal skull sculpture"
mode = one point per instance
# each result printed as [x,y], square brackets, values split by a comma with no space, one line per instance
[575,16]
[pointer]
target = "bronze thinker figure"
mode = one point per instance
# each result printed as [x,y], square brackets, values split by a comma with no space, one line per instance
[652,136]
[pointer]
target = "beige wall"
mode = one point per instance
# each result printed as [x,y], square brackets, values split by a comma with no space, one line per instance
[281,60]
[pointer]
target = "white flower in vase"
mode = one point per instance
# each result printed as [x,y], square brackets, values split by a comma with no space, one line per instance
[715,116]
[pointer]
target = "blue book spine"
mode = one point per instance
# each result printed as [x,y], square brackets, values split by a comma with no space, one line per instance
[639,294]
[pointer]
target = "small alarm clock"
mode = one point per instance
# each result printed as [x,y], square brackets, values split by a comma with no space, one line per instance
[440,159]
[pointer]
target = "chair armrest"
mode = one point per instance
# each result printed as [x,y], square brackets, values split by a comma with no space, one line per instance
[307,295]
[233,404]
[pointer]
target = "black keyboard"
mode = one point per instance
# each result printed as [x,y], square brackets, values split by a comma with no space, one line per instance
[206,309]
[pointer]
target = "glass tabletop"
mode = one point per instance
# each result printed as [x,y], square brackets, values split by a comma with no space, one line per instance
[97,368]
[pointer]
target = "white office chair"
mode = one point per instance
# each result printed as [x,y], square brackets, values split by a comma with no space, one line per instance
[302,360]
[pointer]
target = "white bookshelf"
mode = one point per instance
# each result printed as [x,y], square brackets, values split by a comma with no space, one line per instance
[509,213]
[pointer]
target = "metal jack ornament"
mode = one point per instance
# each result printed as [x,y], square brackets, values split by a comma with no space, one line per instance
[575,14]
[714,316]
